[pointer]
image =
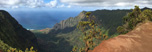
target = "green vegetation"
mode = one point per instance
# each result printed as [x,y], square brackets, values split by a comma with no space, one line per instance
[43,31]
[65,33]
[16,50]
[90,32]
[69,36]
[6,48]
[13,34]
[133,18]
[10,35]
[110,19]
[3,46]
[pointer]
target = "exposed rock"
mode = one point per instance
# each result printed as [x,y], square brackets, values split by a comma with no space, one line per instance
[70,22]
[13,34]
[138,40]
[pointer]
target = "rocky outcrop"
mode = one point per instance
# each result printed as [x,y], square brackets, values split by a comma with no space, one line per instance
[70,22]
[138,40]
[13,34]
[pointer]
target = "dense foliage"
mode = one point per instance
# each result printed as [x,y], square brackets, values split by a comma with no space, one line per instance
[133,18]
[6,48]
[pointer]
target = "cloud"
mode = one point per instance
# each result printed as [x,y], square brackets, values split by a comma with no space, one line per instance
[52,3]
[64,6]
[69,6]
[73,3]
[9,2]
[33,3]
[26,3]
[60,6]
[108,3]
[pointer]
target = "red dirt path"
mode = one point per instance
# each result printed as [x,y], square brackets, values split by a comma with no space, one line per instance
[138,40]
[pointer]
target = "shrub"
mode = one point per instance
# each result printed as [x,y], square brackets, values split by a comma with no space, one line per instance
[6,48]
[121,30]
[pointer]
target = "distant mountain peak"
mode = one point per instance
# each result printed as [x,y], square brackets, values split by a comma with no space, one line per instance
[146,8]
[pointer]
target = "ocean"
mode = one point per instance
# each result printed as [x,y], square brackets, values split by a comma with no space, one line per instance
[41,19]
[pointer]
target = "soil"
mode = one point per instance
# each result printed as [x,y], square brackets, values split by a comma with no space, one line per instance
[137,40]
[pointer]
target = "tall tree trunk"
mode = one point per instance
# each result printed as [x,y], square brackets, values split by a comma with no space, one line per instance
[87,47]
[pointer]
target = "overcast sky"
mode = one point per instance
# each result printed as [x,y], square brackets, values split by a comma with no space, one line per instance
[91,4]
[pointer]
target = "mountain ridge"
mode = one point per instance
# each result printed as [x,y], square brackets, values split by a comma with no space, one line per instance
[13,34]
[70,22]
[66,29]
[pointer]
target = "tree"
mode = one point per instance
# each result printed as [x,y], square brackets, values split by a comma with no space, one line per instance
[133,18]
[130,21]
[90,32]
[146,15]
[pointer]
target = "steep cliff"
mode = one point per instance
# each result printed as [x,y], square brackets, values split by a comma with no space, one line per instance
[138,40]
[13,34]
[67,26]
[70,22]
[56,39]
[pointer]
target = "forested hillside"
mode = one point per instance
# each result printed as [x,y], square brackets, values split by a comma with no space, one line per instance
[65,33]
[13,34]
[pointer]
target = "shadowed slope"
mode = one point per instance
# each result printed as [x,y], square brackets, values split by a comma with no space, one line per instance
[13,34]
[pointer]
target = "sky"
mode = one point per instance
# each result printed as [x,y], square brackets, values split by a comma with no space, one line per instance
[73,4]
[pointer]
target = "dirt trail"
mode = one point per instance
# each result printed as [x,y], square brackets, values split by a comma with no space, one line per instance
[138,40]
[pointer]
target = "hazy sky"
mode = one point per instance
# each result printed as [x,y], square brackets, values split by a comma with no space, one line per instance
[73,4]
